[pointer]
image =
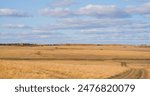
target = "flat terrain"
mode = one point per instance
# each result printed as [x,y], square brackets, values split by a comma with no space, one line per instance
[75,61]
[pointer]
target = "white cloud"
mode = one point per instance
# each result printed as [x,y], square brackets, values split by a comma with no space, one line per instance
[58,12]
[43,36]
[12,13]
[140,10]
[61,3]
[99,11]
[15,26]
[102,11]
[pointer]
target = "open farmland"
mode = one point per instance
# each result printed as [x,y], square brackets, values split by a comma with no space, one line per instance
[75,61]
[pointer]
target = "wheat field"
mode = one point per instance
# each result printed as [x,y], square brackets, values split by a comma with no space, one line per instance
[74,62]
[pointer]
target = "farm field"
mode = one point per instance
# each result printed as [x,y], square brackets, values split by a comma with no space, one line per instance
[75,62]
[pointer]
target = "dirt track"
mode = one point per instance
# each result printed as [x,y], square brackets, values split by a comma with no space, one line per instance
[131,74]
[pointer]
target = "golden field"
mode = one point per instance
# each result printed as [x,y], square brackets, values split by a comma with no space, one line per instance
[74,61]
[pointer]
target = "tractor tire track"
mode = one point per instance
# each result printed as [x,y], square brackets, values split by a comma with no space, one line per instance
[131,74]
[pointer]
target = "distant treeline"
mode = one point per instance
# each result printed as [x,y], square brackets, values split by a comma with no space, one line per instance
[145,46]
[29,44]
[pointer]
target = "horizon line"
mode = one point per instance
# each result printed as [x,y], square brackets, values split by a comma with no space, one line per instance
[67,44]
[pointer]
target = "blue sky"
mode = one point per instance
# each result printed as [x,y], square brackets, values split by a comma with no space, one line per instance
[75,21]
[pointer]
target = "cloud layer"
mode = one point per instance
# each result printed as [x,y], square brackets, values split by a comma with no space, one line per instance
[99,11]
[139,10]
[59,22]
[12,13]
[15,26]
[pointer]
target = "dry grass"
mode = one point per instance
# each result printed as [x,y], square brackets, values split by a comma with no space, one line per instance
[70,61]
[58,69]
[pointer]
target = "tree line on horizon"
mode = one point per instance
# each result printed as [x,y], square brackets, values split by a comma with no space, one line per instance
[32,44]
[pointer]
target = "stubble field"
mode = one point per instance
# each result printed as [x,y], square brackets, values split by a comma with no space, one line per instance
[74,61]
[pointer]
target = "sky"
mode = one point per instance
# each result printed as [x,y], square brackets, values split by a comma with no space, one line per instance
[75,21]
